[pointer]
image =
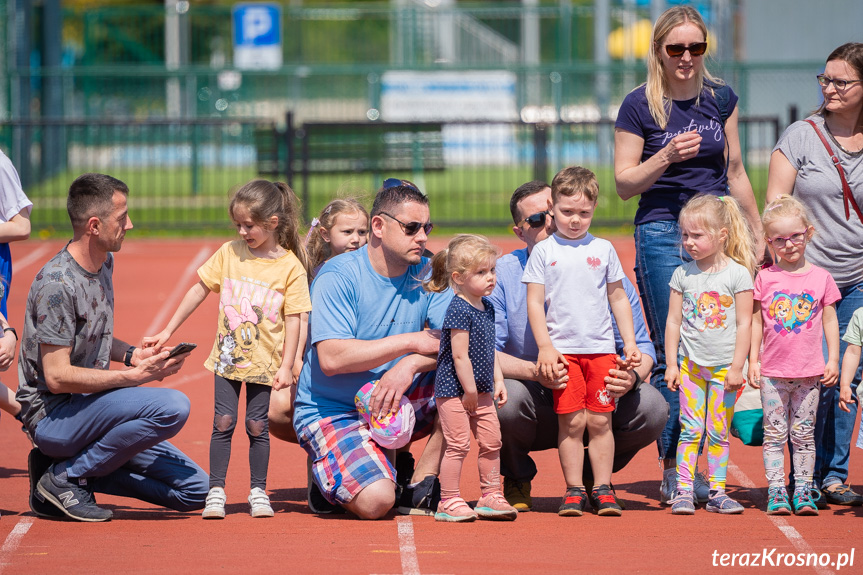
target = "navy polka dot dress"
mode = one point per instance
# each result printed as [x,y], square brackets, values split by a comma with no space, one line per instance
[480,326]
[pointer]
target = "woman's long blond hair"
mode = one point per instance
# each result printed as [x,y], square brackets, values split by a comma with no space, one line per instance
[713,213]
[464,253]
[656,87]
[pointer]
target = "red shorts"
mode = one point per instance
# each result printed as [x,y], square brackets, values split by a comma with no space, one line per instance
[586,385]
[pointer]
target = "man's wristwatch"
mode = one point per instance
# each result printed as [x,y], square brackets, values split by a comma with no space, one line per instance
[127,358]
[638,379]
[12,329]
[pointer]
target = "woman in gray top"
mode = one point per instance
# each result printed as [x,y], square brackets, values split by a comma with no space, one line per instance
[801,165]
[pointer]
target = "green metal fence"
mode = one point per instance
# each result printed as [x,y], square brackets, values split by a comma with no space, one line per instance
[181,172]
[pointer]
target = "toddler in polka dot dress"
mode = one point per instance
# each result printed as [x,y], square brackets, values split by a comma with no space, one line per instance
[468,378]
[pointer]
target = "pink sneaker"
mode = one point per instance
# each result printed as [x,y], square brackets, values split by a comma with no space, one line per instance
[495,506]
[454,510]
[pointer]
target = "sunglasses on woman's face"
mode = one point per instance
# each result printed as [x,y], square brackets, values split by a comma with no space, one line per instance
[677,50]
[536,220]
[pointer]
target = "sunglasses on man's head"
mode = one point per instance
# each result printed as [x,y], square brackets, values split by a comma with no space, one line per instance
[394,182]
[412,228]
[677,50]
[536,220]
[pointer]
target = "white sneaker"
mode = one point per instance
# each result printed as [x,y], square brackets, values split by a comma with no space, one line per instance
[214,508]
[701,486]
[260,503]
[668,487]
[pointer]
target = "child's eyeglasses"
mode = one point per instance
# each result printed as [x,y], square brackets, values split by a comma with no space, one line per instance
[412,228]
[536,220]
[825,81]
[780,242]
[394,182]
[677,50]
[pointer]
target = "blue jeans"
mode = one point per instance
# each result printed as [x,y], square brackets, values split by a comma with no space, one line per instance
[834,427]
[117,439]
[658,252]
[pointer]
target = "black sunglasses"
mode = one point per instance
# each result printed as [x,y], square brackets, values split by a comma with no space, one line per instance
[394,182]
[677,50]
[412,228]
[536,220]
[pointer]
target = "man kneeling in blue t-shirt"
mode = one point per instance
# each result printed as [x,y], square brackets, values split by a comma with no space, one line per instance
[368,323]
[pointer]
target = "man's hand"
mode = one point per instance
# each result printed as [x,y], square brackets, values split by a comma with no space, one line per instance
[388,392]
[156,366]
[619,381]
[559,379]
[500,393]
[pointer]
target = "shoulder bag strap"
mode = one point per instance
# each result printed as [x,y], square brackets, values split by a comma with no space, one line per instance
[847,196]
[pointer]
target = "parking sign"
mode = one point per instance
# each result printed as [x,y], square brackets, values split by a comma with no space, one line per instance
[257,36]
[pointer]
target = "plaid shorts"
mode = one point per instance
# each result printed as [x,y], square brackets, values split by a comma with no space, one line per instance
[345,459]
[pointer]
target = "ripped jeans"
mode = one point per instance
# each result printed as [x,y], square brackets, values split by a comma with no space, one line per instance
[227,394]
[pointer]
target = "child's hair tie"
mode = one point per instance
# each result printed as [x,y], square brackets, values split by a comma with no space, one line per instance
[315,223]
[721,198]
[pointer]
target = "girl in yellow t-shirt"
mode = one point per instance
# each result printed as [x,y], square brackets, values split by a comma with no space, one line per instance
[263,289]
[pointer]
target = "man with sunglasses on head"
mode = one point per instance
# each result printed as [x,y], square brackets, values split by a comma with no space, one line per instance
[527,420]
[369,320]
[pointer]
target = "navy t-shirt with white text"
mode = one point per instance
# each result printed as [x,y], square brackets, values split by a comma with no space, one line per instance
[704,173]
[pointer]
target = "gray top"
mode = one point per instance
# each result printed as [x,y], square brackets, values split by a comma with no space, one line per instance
[837,243]
[708,332]
[71,307]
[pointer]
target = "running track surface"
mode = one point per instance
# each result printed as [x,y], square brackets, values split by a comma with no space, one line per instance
[151,277]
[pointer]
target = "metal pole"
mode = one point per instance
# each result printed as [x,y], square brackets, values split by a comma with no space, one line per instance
[602,17]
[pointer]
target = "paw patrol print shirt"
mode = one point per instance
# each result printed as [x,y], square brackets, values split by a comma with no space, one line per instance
[791,306]
[255,295]
[709,328]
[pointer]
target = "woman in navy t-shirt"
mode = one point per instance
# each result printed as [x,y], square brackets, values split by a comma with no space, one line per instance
[675,136]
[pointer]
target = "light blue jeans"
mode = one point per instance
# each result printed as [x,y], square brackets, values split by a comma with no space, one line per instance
[658,252]
[117,440]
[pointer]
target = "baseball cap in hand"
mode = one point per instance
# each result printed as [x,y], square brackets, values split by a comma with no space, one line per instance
[394,429]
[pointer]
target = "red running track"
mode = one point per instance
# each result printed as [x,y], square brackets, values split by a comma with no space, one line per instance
[152,276]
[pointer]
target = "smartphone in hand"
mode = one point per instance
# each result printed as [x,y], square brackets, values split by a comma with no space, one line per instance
[181,348]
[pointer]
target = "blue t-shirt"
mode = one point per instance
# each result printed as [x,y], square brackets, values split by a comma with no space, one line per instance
[480,327]
[704,173]
[350,300]
[512,330]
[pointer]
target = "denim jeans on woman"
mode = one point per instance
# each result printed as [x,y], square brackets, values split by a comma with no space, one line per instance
[658,252]
[834,427]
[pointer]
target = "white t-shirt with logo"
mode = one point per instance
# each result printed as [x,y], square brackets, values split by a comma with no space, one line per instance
[575,274]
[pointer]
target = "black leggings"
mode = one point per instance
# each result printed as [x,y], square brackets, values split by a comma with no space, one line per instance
[227,392]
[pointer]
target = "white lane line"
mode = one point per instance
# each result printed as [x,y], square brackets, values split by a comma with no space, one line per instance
[407,547]
[779,522]
[13,540]
[31,258]
[182,286]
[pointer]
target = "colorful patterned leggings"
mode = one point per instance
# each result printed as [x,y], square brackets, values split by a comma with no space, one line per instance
[794,400]
[703,404]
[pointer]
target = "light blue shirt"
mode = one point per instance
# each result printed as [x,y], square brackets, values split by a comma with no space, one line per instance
[350,300]
[512,330]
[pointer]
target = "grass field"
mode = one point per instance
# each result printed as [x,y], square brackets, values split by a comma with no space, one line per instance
[183,201]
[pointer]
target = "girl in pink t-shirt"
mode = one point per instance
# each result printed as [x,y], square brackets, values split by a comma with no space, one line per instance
[794,310]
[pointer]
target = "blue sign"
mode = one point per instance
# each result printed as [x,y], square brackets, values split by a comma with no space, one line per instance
[257,35]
